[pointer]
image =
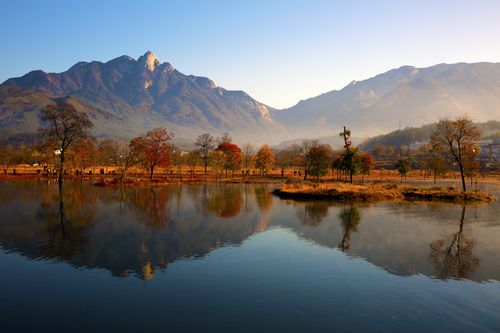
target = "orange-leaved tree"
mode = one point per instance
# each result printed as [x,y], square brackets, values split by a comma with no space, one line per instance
[264,159]
[232,155]
[153,149]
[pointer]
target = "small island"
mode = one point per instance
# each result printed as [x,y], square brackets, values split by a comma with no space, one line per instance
[379,192]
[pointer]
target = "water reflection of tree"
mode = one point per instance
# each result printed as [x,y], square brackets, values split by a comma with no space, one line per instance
[66,217]
[349,220]
[453,256]
[313,212]
[199,197]
[225,200]
[263,197]
[151,204]
[117,229]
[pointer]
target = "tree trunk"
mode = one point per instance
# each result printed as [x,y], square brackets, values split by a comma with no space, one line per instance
[61,167]
[151,171]
[464,186]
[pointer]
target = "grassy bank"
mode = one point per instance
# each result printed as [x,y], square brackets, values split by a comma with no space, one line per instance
[379,192]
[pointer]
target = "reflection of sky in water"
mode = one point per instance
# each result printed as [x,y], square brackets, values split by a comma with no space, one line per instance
[234,254]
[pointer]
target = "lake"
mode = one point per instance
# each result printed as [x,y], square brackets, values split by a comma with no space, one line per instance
[234,258]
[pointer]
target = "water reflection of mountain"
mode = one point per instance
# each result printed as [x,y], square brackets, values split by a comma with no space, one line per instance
[124,231]
[142,230]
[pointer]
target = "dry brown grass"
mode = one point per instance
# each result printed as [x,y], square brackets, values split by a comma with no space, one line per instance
[377,191]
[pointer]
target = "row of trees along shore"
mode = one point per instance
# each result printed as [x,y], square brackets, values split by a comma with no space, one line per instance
[67,145]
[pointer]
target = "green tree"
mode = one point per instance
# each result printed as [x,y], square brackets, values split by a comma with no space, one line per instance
[319,159]
[403,166]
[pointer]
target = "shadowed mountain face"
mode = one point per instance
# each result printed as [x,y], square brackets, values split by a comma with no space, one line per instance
[127,97]
[412,96]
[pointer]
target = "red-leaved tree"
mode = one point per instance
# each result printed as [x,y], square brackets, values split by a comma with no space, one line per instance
[153,149]
[232,155]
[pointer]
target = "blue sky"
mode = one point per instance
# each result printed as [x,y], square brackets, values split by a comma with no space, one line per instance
[277,51]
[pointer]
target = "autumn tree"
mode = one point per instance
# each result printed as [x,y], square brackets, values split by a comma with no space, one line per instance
[64,128]
[319,160]
[153,149]
[217,160]
[205,144]
[84,155]
[264,159]
[232,155]
[365,164]
[458,137]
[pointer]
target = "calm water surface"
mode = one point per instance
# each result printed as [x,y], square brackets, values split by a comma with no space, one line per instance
[234,258]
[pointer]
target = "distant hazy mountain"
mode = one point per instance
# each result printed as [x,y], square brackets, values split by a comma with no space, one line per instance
[408,135]
[126,97]
[407,95]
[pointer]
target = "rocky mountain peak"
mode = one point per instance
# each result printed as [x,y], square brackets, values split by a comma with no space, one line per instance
[149,61]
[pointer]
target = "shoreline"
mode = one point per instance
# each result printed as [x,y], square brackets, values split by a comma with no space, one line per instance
[390,192]
[300,190]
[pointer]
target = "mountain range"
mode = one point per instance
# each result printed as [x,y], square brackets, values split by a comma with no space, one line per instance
[126,97]
[406,96]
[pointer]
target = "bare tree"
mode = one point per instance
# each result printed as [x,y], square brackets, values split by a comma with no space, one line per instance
[248,156]
[285,159]
[127,157]
[205,144]
[459,138]
[109,152]
[64,127]
[226,138]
